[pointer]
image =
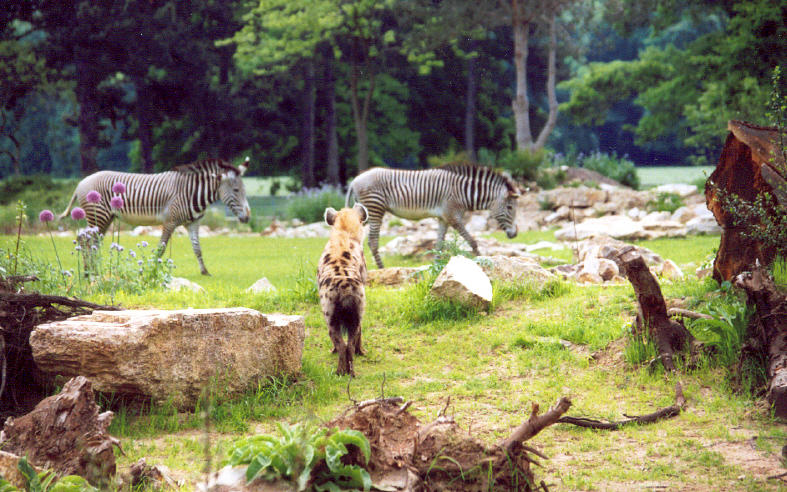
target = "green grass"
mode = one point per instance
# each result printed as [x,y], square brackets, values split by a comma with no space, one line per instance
[650,176]
[536,344]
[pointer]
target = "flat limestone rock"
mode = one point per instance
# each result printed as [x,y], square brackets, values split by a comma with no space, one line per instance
[171,355]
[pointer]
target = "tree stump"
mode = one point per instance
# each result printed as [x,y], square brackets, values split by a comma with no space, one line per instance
[668,335]
[769,325]
[750,164]
[65,433]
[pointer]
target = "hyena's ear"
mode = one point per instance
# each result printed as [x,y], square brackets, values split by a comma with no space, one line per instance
[330,215]
[362,212]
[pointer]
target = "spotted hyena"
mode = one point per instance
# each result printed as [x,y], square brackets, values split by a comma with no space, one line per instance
[340,276]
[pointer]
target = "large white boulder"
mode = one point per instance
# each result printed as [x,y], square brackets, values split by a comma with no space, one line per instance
[171,355]
[617,226]
[462,280]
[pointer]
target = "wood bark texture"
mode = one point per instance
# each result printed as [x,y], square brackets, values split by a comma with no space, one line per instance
[66,433]
[668,335]
[769,325]
[750,164]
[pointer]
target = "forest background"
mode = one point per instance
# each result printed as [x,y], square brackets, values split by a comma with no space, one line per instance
[320,89]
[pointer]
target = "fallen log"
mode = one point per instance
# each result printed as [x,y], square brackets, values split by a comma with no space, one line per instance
[661,414]
[65,433]
[769,327]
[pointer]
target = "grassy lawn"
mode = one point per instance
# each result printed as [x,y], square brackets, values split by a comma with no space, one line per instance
[650,176]
[533,346]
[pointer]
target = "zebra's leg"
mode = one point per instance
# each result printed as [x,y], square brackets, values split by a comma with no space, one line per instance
[374,238]
[194,236]
[442,227]
[166,232]
[460,227]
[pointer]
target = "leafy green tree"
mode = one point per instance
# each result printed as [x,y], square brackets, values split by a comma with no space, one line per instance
[690,87]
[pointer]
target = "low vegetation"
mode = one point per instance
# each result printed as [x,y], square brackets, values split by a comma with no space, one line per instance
[535,344]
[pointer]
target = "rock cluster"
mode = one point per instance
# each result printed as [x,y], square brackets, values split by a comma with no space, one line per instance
[598,262]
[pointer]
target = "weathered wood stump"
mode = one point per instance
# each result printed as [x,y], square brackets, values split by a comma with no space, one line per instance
[669,335]
[65,433]
[750,164]
[769,327]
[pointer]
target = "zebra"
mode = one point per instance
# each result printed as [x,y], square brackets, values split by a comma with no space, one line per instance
[446,193]
[172,198]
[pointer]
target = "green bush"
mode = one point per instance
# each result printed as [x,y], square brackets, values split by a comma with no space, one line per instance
[620,169]
[523,164]
[665,202]
[38,192]
[309,205]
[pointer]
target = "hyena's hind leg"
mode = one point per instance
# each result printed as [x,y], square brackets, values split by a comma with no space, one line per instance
[342,348]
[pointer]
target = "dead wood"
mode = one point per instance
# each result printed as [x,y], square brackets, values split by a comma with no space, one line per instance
[750,165]
[685,313]
[669,336]
[535,424]
[409,456]
[768,326]
[20,313]
[67,434]
[661,414]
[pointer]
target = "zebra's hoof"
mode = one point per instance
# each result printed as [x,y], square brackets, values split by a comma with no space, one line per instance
[205,272]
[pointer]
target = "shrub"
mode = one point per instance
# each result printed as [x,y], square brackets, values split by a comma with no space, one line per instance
[620,169]
[523,164]
[665,202]
[37,191]
[309,204]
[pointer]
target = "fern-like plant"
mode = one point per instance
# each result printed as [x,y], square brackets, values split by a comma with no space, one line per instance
[46,481]
[308,456]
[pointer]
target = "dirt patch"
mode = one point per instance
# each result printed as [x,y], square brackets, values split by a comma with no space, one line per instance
[611,356]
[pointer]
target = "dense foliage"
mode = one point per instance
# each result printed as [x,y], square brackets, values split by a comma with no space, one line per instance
[312,89]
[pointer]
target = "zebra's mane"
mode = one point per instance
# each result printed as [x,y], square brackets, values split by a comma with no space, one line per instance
[470,170]
[198,167]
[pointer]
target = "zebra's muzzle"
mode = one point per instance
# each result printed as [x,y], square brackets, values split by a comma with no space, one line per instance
[511,232]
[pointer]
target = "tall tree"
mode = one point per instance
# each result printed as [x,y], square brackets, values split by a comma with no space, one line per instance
[707,62]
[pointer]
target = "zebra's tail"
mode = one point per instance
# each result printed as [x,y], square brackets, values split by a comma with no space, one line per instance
[65,212]
[350,192]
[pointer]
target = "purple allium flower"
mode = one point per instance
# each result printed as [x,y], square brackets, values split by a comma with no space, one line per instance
[77,248]
[78,213]
[119,188]
[46,216]
[93,196]
[132,253]
[116,201]
[93,247]
[139,262]
[143,244]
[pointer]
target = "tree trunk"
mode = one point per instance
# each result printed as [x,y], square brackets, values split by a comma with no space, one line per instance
[470,105]
[551,96]
[87,81]
[307,127]
[361,115]
[521,103]
[770,329]
[668,335]
[332,170]
[144,131]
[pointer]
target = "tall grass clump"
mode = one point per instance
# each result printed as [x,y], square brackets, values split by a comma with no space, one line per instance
[38,192]
[309,204]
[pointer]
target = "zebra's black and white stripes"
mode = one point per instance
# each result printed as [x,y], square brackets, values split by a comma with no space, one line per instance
[446,193]
[172,198]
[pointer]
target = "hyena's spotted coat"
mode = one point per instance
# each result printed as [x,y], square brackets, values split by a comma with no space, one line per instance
[341,275]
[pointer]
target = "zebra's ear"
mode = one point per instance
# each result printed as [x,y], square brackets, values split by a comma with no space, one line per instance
[362,212]
[244,167]
[330,215]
